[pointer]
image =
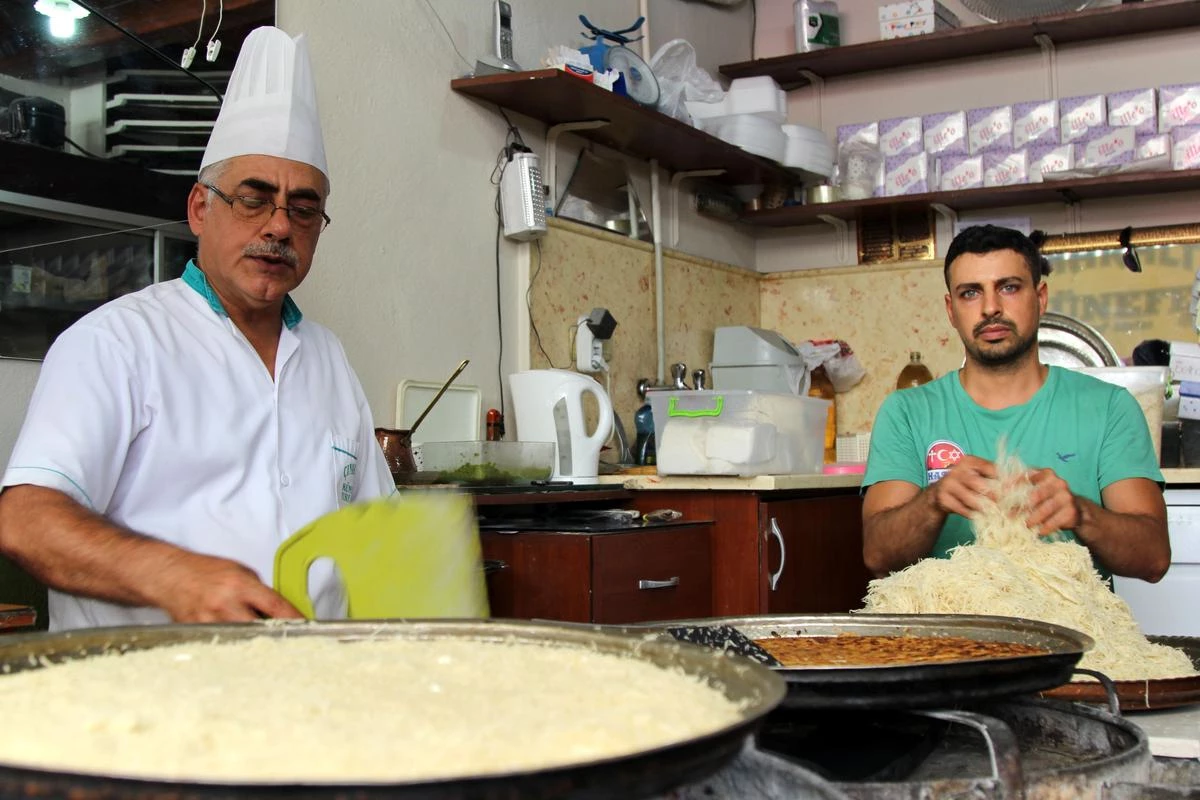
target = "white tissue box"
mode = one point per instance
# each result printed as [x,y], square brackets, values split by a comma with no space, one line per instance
[738,432]
[1006,169]
[917,25]
[907,175]
[1079,114]
[1035,123]
[917,8]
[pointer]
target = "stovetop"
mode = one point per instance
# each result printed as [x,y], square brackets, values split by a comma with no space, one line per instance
[1048,748]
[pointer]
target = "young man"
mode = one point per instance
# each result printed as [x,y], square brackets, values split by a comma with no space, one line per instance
[1093,466]
[179,434]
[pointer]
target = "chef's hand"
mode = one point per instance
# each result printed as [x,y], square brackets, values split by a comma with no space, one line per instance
[199,588]
[962,489]
[1052,506]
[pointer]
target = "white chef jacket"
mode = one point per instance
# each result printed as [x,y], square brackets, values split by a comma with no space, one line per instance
[156,412]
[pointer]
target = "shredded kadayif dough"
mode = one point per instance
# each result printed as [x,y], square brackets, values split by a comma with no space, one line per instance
[317,710]
[1011,571]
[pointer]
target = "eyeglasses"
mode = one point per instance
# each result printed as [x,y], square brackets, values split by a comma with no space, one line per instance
[259,209]
[1130,259]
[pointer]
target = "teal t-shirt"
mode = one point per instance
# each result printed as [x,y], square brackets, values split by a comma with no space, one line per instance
[1091,433]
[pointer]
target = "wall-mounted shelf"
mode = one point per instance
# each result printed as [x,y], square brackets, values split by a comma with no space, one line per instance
[792,71]
[554,97]
[1068,191]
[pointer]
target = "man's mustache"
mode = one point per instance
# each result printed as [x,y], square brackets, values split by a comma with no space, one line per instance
[993,322]
[278,250]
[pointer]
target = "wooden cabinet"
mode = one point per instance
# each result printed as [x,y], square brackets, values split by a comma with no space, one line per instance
[638,575]
[812,554]
[778,552]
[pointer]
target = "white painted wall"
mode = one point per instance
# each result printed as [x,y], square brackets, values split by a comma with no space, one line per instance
[1100,67]
[406,274]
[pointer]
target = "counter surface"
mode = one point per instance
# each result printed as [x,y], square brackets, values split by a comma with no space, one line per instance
[777,483]
[1174,733]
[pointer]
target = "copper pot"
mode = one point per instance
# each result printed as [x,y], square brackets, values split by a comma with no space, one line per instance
[397,451]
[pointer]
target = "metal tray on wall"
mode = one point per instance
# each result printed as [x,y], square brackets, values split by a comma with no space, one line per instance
[638,775]
[1065,341]
[931,685]
[1146,695]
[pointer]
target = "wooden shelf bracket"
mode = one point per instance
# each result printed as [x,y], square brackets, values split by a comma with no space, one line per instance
[818,84]
[1050,62]
[552,153]
[843,236]
[946,213]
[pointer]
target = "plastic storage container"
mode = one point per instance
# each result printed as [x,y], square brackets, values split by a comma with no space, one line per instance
[752,133]
[1148,385]
[738,432]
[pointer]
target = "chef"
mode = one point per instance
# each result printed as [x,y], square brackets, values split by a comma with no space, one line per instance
[179,434]
[1094,471]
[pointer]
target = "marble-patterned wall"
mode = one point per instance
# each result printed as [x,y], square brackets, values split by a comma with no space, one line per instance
[582,268]
[882,312]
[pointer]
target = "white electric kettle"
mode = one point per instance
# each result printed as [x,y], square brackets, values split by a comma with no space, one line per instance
[548,404]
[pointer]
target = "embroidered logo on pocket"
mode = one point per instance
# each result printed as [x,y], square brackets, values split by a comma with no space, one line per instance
[345,461]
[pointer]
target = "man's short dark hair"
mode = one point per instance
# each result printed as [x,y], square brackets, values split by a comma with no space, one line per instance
[984,239]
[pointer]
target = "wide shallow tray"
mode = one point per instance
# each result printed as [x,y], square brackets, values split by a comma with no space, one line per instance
[644,774]
[930,685]
[1146,695]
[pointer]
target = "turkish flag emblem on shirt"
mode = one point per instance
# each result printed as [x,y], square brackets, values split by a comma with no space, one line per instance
[939,458]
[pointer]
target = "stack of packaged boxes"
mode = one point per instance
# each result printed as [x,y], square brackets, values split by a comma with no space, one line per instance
[1022,143]
[914,18]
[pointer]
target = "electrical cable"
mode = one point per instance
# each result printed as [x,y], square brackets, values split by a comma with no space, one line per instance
[512,129]
[87,153]
[499,314]
[213,50]
[451,38]
[529,306]
[90,8]
[753,26]
[190,53]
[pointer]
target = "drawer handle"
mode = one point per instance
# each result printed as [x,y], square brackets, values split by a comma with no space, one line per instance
[775,576]
[667,584]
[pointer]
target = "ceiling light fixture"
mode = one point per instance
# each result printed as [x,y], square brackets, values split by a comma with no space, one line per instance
[62,14]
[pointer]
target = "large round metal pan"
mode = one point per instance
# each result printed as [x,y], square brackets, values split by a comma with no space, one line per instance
[1145,695]
[644,774]
[933,685]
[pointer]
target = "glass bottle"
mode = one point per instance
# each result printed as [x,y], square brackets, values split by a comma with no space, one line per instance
[821,386]
[914,373]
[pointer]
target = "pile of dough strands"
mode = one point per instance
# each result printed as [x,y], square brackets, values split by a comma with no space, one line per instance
[1011,571]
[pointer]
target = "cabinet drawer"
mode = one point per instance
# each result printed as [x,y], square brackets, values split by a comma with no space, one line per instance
[651,575]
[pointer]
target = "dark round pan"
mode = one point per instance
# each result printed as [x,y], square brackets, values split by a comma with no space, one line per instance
[640,775]
[944,684]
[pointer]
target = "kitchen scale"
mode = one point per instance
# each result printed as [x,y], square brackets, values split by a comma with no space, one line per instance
[638,78]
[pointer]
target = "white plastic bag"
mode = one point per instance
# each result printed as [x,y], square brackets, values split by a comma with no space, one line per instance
[679,79]
[841,365]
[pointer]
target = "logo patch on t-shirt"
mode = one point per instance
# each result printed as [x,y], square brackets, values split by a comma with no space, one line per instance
[939,458]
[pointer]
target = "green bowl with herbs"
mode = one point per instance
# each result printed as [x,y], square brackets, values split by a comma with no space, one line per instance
[486,463]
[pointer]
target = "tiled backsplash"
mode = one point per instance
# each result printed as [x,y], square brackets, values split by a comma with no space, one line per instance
[583,268]
[883,312]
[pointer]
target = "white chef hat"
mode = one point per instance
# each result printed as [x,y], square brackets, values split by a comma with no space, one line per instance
[270,107]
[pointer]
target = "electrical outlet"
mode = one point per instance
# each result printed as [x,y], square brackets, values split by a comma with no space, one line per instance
[589,351]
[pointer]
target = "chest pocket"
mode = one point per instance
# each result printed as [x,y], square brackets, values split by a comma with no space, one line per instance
[344,452]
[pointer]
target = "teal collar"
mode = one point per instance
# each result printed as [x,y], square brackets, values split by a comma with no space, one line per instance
[195,278]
